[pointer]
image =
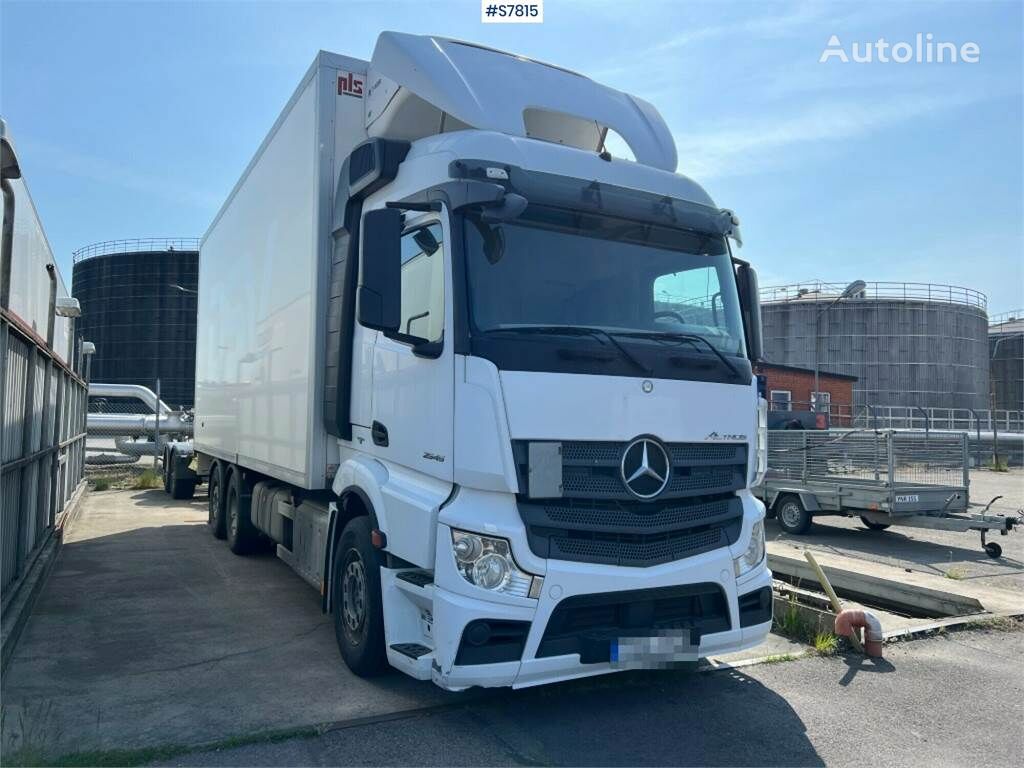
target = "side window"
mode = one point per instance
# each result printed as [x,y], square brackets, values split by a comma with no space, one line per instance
[423,283]
[693,296]
[781,400]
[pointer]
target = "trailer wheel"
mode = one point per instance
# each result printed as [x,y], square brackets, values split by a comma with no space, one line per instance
[242,536]
[792,516]
[873,525]
[992,549]
[358,609]
[216,518]
[167,470]
[181,487]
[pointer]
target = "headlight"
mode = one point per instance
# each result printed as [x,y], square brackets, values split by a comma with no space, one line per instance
[487,562]
[760,444]
[755,551]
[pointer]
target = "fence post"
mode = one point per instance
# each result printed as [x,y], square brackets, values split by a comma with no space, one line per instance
[890,447]
[156,436]
[803,473]
[22,549]
[967,470]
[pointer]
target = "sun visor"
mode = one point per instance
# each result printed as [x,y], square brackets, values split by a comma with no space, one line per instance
[420,86]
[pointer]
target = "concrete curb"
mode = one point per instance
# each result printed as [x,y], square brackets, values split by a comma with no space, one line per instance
[24,593]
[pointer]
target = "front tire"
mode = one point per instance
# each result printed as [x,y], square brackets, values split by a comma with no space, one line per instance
[216,516]
[356,596]
[792,517]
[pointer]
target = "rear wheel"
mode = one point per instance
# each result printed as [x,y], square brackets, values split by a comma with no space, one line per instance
[873,525]
[242,536]
[216,517]
[355,592]
[181,487]
[792,516]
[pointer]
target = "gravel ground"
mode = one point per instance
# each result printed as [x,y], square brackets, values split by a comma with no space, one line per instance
[955,699]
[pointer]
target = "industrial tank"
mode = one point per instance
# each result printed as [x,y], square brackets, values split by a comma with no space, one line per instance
[1006,349]
[914,345]
[138,302]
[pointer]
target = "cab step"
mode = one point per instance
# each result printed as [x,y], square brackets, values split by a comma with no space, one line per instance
[419,578]
[412,650]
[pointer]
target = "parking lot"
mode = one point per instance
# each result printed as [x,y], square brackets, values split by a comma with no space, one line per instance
[151,636]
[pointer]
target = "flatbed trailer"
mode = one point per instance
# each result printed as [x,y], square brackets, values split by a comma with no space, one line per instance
[885,477]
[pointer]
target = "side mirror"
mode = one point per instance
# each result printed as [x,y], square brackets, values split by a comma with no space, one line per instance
[380,281]
[750,304]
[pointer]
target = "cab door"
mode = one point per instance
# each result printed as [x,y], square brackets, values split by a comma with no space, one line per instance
[413,399]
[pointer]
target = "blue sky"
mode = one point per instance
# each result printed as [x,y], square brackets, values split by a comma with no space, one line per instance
[135,119]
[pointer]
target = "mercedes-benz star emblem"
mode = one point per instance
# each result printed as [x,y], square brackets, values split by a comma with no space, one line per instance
[645,468]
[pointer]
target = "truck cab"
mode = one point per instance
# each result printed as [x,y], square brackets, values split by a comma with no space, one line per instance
[542,423]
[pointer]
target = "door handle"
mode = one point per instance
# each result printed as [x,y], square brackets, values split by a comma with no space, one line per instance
[379,433]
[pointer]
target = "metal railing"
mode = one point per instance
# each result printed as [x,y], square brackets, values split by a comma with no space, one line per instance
[136,245]
[1006,317]
[913,418]
[886,457]
[818,290]
[42,450]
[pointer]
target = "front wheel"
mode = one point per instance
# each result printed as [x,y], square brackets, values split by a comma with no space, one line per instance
[792,516]
[356,596]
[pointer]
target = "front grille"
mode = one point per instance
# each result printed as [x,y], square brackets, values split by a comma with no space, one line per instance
[596,520]
[586,624]
[634,534]
[592,470]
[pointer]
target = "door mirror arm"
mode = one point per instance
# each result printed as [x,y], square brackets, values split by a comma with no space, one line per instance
[421,347]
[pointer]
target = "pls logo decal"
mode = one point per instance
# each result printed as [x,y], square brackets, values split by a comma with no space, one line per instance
[350,85]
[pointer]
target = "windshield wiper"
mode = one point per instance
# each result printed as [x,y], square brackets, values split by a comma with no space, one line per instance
[693,338]
[576,330]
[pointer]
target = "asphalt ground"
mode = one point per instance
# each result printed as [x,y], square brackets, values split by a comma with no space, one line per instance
[956,699]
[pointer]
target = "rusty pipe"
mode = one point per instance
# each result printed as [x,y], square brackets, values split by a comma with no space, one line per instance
[850,620]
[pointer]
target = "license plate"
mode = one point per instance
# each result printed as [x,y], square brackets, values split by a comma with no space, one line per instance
[654,651]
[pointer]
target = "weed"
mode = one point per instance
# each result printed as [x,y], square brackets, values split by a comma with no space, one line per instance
[956,573]
[778,658]
[101,483]
[826,644]
[998,465]
[148,479]
[996,623]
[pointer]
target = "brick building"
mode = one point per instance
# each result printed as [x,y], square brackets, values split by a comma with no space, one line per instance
[789,388]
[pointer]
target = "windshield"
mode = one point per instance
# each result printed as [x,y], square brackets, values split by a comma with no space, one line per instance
[553,267]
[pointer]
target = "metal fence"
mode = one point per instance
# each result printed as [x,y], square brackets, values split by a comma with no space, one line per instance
[42,443]
[905,417]
[878,456]
[128,428]
[136,245]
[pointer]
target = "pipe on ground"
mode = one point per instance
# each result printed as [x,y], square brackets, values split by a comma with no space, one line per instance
[850,620]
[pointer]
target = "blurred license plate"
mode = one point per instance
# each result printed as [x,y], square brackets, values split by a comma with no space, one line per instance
[653,651]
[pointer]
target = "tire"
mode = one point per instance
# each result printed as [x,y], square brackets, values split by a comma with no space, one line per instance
[216,517]
[356,596]
[181,488]
[167,471]
[873,525]
[242,536]
[993,550]
[792,517]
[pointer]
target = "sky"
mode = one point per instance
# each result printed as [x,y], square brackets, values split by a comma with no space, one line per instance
[136,119]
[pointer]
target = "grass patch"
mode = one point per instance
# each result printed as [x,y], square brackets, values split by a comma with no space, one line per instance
[778,658]
[826,644]
[792,622]
[956,573]
[998,465]
[101,483]
[148,479]
[996,623]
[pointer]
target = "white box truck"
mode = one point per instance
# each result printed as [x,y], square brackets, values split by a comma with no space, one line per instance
[485,386]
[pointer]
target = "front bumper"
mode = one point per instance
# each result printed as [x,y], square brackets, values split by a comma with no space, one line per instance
[453,610]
